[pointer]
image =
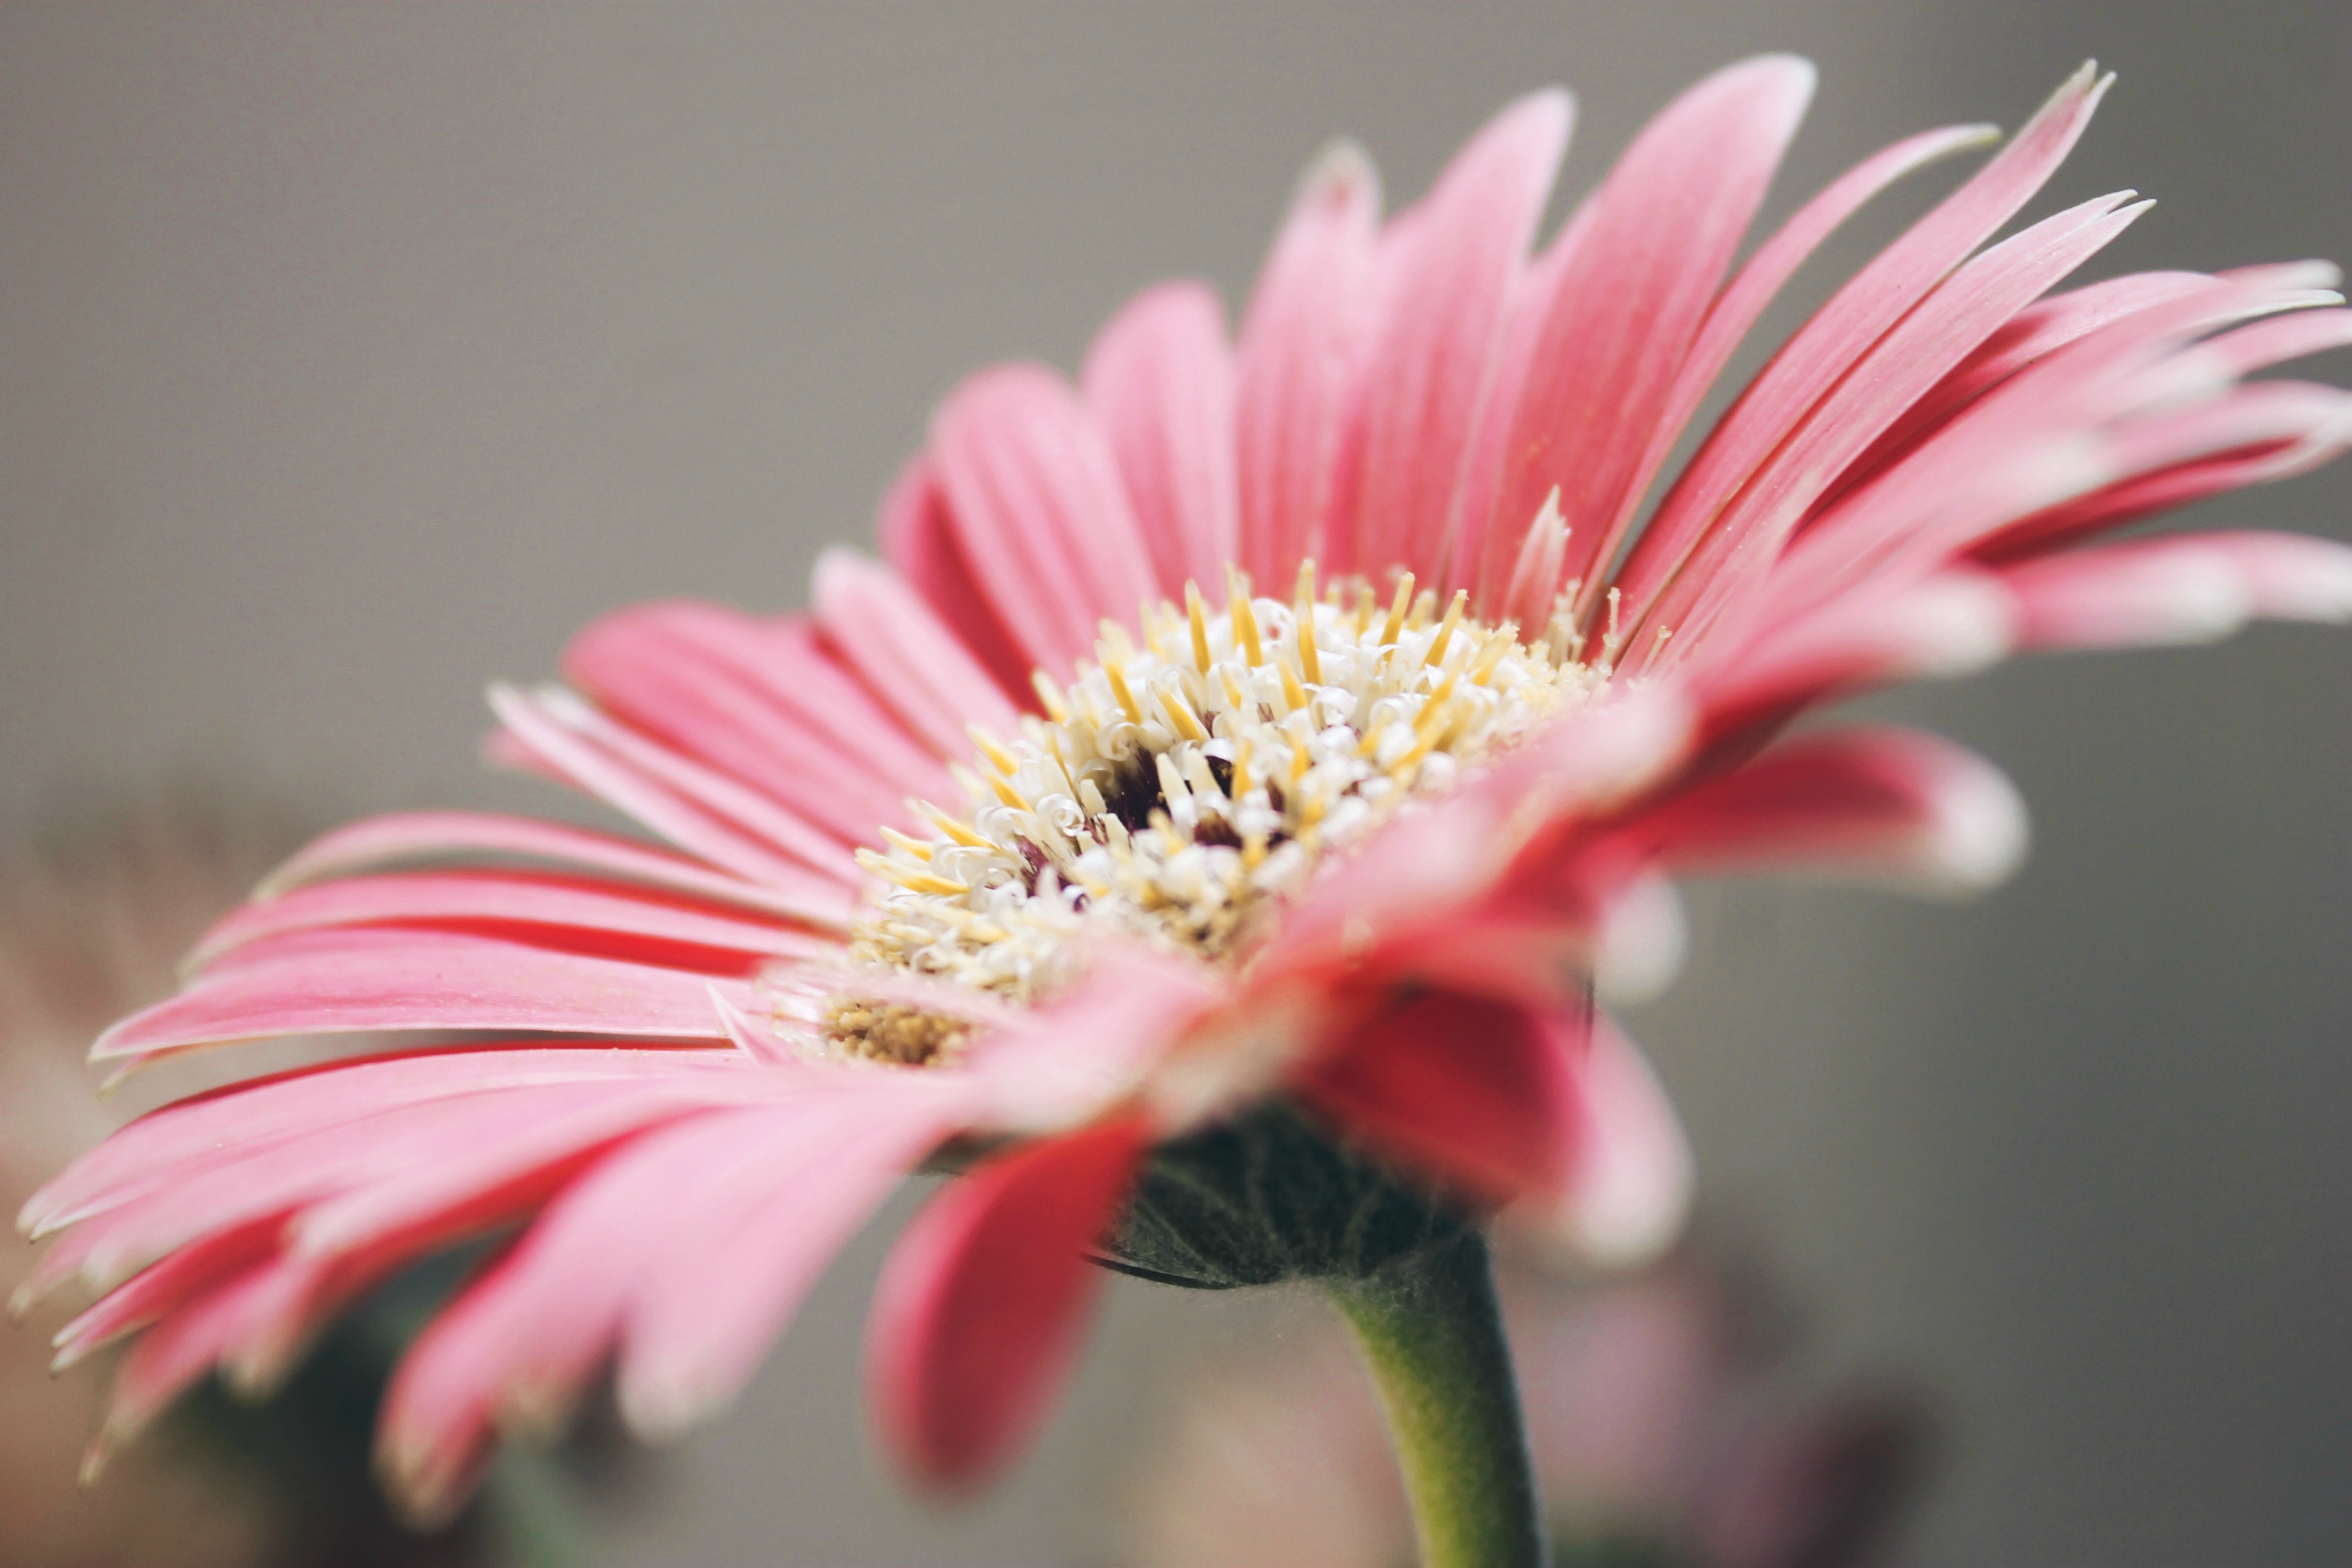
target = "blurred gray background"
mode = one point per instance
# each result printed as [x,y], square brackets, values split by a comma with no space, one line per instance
[351,356]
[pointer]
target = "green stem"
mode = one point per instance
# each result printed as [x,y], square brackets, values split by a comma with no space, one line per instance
[1432,1330]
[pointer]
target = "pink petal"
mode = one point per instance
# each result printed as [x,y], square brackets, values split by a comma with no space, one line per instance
[1821,354]
[2030,336]
[1039,510]
[2182,588]
[193,1271]
[919,537]
[1524,312]
[1745,541]
[1885,803]
[170,1357]
[1757,283]
[1951,624]
[1297,364]
[760,702]
[578,915]
[738,1265]
[902,649]
[1161,380]
[977,1317]
[1434,352]
[1631,1186]
[1464,1089]
[524,1336]
[1629,304]
[336,981]
[692,806]
[454,835]
[231,1122]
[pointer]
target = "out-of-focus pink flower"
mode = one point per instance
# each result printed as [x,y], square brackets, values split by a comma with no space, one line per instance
[1668,1425]
[1315,728]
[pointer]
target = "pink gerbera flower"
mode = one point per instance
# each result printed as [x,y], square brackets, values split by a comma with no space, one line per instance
[1205,830]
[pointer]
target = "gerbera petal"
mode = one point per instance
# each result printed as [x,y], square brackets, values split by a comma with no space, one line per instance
[1159,377]
[1745,541]
[1632,1168]
[523,1338]
[2186,588]
[1434,352]
[1953,623]
[1037,505]
[391,979]
[978,1314]
[1297,364]
[902,649]
[609,918]
[693,807]
[1744,298]
[1626,308]
[738,1265]
[380,841]
[918,536]
[1889,804]
[760,701]
[1465,1089]
[1828,346]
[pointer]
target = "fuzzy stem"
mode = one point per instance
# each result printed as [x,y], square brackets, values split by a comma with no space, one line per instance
[1432,1332]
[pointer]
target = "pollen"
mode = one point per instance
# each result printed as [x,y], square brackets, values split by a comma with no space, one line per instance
[1179,791]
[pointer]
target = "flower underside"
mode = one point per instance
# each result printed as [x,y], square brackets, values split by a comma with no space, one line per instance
[1175,790]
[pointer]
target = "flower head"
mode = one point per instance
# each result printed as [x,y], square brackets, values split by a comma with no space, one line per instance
[1207,827]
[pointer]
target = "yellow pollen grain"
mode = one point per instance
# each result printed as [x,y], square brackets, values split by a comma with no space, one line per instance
[1118,689]
[1437,645]
[1397,607]
[1056,708]
[1198,614]
[1237,592]
[1180,716]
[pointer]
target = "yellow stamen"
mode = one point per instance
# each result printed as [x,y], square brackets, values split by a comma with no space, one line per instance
[1436,654]
[1242,780]
[906,842]
[1058,708]
[1000,759]
[1424,605]
[1122,646]
[1397,607]
[953,826]
[1199,616]
[1118,689]
[1149,619]
[913,881]
[1237,592]
[1292,692]
[1180,716]
[1302,614]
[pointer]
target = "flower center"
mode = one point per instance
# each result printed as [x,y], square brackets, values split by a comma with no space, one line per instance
[1176,791]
